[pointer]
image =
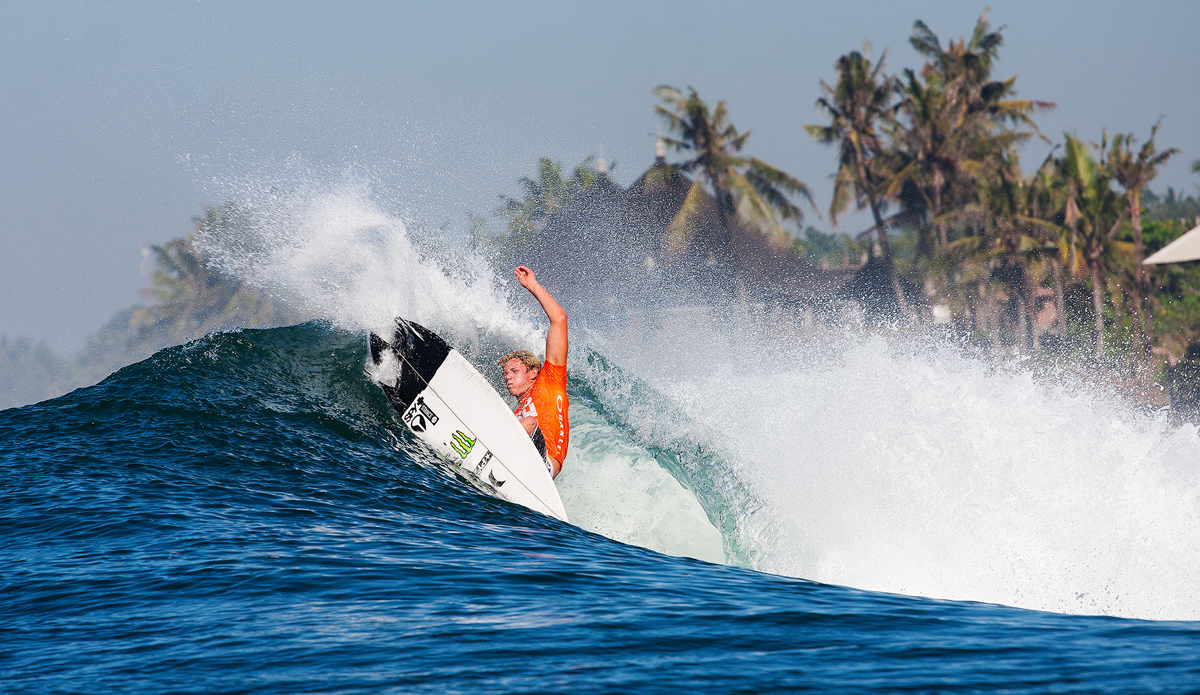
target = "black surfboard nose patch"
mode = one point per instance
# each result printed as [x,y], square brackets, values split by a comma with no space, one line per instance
[419,348]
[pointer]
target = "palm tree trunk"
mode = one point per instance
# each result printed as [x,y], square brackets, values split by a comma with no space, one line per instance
[943,237]
[1030,313]
[1022,326]
[885,251]
[727,214]
[1073,255]
[1148,320]
[1141,285]
[1140,353]
[1059,297]
[1098,306]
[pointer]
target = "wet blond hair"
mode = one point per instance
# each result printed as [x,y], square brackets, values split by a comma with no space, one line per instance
[526,357]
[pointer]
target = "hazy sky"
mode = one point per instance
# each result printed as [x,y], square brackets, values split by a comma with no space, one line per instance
[119,122]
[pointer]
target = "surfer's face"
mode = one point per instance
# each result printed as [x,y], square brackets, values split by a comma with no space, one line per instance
[518,378]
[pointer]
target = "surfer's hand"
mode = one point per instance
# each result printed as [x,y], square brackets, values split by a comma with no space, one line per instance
[530,424]
[526,277]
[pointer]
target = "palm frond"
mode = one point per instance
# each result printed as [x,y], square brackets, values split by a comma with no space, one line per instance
[924,40]
[843,193]
[683,226]
[822,133]
[759,211]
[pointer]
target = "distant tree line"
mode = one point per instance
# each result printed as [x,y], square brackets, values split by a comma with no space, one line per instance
[1046,262]
[188,298]
[1041,262]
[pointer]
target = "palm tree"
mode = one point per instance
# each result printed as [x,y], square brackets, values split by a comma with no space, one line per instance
[1134,172]
[745,188]
[543,196]
[924,157]
[1094,213]
[194,296]
[1022,237]
[857,105]
[954,118]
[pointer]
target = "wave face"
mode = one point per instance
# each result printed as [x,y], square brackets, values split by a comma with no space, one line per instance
[245,512]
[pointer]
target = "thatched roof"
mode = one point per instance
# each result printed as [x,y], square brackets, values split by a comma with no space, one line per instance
[575,239]
[614,248]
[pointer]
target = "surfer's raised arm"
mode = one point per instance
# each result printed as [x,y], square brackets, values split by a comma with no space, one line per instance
[541,388]
[556,337]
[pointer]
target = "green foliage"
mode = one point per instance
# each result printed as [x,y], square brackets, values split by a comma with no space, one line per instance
[1176,304]
[1159,232]
[991,243]
[194,298]
[831,249]
[1171,206]
[756,193]
[542,196]
[545,195]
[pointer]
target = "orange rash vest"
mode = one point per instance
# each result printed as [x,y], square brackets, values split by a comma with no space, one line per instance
[547,401]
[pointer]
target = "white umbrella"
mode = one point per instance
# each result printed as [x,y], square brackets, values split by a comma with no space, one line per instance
[1185,248]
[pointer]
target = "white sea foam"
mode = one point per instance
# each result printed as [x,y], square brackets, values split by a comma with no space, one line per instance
[873,465]
[931,474]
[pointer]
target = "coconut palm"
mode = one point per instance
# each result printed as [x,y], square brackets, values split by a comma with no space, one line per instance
[1134,172]
[543,196]
[1094,213]
[746,188]
[954,122]
[924,157]
[192,296]
[858,105]
[1018,237]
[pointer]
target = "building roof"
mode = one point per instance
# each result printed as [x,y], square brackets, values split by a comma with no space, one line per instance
[614,248]
[1185,248]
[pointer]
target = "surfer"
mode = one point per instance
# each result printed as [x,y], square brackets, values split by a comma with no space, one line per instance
[541,388]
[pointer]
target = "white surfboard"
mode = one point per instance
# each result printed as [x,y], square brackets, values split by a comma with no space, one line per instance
[448,405]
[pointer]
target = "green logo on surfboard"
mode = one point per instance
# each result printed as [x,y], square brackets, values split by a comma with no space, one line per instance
[462,444]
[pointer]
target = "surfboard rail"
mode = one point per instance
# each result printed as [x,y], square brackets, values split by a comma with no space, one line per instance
[443,400]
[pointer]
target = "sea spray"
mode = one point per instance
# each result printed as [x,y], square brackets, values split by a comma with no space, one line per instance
[334,253]
[849,457]
[917,470]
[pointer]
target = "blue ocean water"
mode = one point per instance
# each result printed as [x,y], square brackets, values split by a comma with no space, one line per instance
[245,514]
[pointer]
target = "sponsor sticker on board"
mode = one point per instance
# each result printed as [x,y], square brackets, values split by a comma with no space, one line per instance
[419,416]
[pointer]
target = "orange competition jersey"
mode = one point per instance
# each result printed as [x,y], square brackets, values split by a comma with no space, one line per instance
[547,401]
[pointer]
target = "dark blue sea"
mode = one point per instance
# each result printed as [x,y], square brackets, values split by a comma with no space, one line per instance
[245,514]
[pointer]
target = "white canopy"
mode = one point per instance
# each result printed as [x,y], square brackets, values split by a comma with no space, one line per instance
[1185,248]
